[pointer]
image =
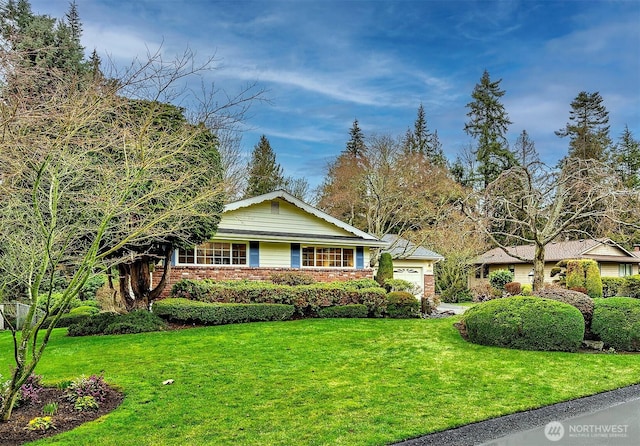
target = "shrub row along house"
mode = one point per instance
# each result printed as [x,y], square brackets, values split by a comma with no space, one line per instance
[276,232]
[613,260]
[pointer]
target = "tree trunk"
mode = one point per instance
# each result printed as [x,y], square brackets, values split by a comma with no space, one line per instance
[538,268]
[135,281]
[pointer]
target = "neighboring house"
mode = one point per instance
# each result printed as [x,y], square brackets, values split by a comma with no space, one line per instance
[613,260]
[412,263]
[276,233]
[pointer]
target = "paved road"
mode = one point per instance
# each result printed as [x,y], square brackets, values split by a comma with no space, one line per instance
[607,419]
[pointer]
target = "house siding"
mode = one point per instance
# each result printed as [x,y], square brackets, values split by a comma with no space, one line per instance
[288,219]
[275,255]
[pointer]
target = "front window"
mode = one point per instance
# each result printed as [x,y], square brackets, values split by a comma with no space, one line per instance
[321,257]
[214,253]
[625,269]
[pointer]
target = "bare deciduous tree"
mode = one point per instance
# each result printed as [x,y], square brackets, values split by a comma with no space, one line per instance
[89,179]
[533,204]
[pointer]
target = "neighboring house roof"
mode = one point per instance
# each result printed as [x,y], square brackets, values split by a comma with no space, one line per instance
[556,251]
[401,248]
[347,234]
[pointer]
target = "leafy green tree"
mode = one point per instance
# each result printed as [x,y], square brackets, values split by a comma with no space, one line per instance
[265,174]
[588,128]
[488,123]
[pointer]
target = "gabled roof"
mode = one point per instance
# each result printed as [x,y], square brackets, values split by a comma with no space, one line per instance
[556,251]
[369,239]
[401,248]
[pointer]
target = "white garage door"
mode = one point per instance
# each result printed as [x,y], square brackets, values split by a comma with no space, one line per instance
[413,275]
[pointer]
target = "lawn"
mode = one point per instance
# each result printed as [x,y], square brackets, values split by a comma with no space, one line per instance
[313,382]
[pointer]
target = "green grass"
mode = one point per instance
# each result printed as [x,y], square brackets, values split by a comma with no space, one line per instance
[313,382]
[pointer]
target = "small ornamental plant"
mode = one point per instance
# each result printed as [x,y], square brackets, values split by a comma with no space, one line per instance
[50,409]
[86,403]
[40,424]
[31,389]
[93,386]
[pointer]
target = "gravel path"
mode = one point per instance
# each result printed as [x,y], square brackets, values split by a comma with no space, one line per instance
[486,431]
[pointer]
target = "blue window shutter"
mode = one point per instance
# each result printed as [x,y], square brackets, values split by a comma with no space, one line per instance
[254,254]
[359,257]
[174,257]
[295,255]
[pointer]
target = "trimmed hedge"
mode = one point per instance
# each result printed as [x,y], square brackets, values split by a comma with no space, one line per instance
[139,321]
[402,305]
[611,286]
[631,286]
[616,320]
[584,273]
[526,323]
[67,319]
[307,299]
[189,311]
[344,311]
[574,298]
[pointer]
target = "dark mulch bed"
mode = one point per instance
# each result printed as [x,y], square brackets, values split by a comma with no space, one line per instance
[13,432]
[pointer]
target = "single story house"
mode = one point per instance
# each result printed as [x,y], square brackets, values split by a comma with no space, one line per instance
[413,263]
[613,259]
[276,233]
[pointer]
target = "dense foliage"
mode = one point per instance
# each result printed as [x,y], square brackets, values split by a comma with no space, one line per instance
[498,279]
[307,299]
[401,304]
[631,286]
[527,323]
[385,268]
[584,273]
[190,311]
[616,321]
[574,298]
[138,321]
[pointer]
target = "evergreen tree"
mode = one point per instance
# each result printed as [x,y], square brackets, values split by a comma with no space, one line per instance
[488,123]
[417,141]
[356,146]
[436,154]
[421,141]
[525,150]
[587,128]
[265,175]
[625,159]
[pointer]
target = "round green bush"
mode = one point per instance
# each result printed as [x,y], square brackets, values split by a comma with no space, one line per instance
[401,304]
[498,279]
[616,321]
[526,323]
[85,309]
[575,298]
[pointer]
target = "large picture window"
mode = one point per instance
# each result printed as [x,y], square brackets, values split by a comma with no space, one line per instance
[214,253]
[321,257]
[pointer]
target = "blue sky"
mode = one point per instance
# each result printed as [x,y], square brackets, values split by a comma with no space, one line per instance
[325,63]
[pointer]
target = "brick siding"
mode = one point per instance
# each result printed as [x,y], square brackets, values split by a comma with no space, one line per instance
[178,273]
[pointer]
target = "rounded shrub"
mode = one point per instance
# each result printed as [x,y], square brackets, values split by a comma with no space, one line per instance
[526,323]
[574,298]
[401,304]
[498,279]
[616,321]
